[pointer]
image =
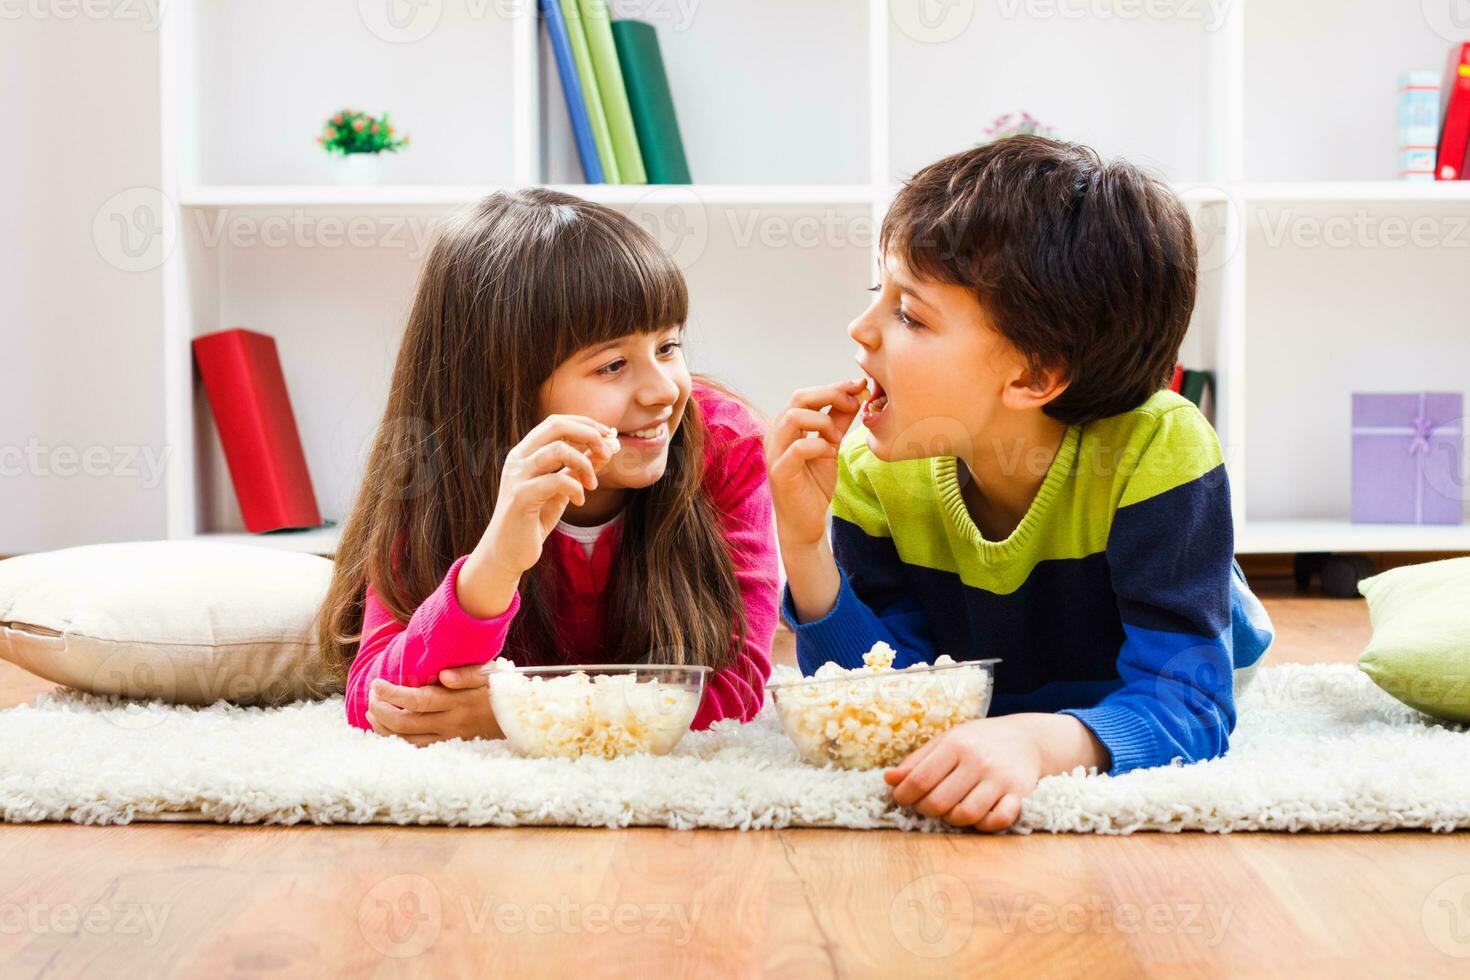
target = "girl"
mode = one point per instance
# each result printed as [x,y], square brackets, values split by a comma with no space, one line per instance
[549,482]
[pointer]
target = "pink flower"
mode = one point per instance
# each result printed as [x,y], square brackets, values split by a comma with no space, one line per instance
[331,133]
[357,125]
[373,128]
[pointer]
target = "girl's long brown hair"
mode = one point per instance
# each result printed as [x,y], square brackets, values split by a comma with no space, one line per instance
[510,290]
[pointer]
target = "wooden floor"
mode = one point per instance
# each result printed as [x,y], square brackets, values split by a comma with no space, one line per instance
[210,901]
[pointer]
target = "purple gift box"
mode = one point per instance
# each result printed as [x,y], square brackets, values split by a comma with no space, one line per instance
[1407,453]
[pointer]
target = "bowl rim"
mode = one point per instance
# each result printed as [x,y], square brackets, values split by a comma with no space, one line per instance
[859,677]
[582,668]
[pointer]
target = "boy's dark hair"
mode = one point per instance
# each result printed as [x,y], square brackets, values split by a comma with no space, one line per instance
[1084,264]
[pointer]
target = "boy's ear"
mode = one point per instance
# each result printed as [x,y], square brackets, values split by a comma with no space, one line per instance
[1035,388]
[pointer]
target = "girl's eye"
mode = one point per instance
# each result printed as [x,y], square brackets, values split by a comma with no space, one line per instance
[908,321]
[670,347]
[612,368]
[876,288]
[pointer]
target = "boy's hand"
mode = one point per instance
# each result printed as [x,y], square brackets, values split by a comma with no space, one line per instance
[802,471]
[974,775]
[456,707]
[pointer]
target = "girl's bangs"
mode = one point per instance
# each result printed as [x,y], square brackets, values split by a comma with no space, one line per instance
[620,282]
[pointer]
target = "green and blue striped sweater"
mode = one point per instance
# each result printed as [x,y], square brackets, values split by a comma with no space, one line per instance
[1117,599]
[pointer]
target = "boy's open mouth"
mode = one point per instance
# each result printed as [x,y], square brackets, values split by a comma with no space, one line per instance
[876,403]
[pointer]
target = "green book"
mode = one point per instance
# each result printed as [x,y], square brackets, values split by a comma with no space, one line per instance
[597,23]
[582,55]
[651,102]
[1195,384]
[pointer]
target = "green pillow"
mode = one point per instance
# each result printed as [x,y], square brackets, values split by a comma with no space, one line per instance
[1420,650]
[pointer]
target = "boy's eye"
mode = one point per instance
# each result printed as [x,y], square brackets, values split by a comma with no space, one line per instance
[612,368]
[670,347]
[908,321]
[877,287]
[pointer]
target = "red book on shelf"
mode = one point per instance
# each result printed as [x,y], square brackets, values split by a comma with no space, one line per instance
[247,393]
[1454,126]
[1178,381]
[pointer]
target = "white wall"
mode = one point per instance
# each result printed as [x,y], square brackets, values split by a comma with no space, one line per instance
[81,409]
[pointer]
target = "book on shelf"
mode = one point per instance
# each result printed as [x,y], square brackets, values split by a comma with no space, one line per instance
[1454,130]
[591,97]
[651,102]
[571,87]
[617,95]
[597,22]
[1199,387]
[241,370]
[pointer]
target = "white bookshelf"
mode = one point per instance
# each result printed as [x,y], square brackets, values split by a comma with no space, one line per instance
[801,120]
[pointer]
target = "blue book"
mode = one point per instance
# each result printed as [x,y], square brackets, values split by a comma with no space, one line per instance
[571,87]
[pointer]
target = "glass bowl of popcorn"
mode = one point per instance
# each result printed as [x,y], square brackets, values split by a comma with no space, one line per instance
[603,710]
[874,716]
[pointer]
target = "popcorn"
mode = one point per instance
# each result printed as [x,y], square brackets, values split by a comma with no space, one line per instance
[575,714]
[874,716]
[611,441]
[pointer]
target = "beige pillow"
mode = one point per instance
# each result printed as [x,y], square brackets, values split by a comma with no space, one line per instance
[185,621]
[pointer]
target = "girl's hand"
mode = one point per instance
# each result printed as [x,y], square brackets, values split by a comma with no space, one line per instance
[554,466]
[456,707]
[802,471]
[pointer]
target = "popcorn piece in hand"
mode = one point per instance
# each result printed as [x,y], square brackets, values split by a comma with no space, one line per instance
[874,716]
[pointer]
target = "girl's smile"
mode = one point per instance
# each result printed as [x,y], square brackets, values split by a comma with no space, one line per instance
[651,437]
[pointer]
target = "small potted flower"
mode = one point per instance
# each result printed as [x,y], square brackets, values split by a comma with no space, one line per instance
[1009,125]
[356,141]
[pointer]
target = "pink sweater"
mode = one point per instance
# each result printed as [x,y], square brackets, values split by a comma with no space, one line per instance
[440,634]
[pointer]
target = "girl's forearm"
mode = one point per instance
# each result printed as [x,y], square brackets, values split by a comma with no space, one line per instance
[485,588]
[812,575]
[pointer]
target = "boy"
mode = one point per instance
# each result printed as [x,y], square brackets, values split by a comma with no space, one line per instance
[1022,484]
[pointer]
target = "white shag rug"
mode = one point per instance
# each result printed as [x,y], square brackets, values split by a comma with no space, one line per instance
[1317,748]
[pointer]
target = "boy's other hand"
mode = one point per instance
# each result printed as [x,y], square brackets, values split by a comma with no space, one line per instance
[974,775]
[803,471]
